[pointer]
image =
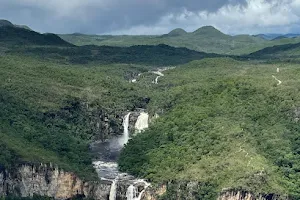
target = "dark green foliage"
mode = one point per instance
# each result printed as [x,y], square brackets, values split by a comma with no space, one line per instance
[160,55]
[205,39]
[228,125]
[11,35]
[188,190]
[54,131]
[279,52]
[5,23]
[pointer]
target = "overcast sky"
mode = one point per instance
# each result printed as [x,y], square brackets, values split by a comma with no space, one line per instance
[153,16]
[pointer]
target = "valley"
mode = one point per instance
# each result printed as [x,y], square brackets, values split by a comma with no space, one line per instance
[148,119]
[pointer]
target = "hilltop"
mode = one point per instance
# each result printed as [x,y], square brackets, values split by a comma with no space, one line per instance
[177,32]
[210,31]
[5,23]
[279,52]
[216,123]
[11,34]
[205,39]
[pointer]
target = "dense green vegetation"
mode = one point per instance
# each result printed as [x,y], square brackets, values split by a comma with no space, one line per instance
[286,52]
[160,55]
[44,92]
[12,35]
[205,39]
[43,116]
[228,124]
[223,123]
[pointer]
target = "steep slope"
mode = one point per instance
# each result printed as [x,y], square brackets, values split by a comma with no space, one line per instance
[158,55]
[226,125]
[286,51]
[5,23]
[177,32]
[12,35]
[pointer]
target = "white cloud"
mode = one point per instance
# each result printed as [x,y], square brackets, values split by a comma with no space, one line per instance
[253,17]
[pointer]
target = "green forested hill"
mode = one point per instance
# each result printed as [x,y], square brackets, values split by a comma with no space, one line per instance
[205,39]
[226,123]
[223,122]
[42,115]
[44,90]
[12,35]
[279,52]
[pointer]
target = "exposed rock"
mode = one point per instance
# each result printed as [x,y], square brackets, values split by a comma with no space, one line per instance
[189,191]
[28,180]
[242,195]
[154,194]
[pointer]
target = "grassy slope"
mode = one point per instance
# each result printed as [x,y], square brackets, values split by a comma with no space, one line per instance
[206,39]
[32,89]
[229,125]
[43,88]
[279,52]
[20,36]
[217,115]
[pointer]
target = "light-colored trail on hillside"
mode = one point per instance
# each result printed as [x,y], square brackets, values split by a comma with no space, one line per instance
[159,74]
[279,81]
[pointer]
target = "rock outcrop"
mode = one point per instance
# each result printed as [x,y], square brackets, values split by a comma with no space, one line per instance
[190,191]
[44,180]
[242,195]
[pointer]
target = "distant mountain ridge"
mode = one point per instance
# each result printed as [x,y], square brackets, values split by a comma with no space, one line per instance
[205,39]
[273,36]
[177,32]
[11,34]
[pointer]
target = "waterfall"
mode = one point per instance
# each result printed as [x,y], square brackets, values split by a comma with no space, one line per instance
[124,139]
[156,80]
[142,192]
[142,122]
[113,190]
[131,193]
[159,74]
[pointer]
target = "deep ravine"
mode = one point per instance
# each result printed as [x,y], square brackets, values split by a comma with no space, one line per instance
[107,167]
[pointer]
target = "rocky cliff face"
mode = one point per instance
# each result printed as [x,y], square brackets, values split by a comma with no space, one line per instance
[44,180]
[188,191]
[242,195]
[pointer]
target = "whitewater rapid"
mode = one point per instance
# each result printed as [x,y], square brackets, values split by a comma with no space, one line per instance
[107,169]
[159,74]
[142,122]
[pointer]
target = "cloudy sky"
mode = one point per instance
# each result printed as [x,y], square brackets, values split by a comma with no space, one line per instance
[153,16]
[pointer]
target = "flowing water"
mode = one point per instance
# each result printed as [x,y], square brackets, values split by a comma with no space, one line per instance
[131,193]
[113,190]
[159,74]
[108,152]
[142,122]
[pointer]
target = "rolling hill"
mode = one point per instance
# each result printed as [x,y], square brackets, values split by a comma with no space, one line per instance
[18,35]
[279,52]
[223,123]
[205,39]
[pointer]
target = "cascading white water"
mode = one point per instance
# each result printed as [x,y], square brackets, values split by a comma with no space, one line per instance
[142,192]
[156,80]
[159,75]
[124,139]
[113,190]
[142,122]
[131,193]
